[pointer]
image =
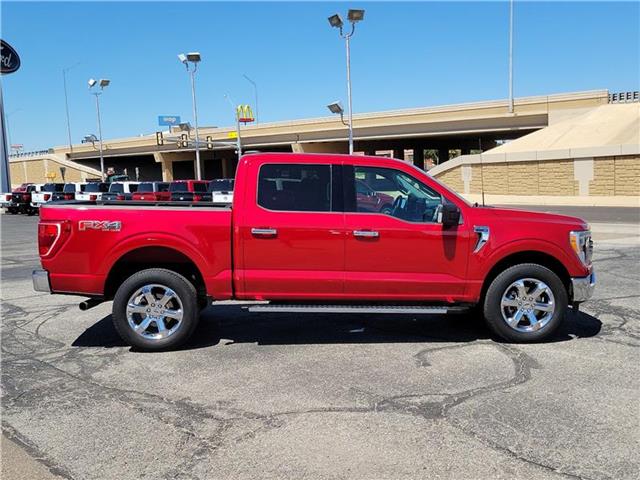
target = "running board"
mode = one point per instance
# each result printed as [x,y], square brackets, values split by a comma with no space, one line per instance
[400,309]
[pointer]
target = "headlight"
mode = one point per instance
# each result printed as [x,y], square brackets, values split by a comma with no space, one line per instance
[582,244]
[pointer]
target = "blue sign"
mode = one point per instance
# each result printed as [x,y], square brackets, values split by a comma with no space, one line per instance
[168,120]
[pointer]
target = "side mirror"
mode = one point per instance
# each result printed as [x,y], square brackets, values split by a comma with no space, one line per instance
[450,215]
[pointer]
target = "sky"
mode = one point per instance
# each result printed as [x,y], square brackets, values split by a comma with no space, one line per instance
[404,55]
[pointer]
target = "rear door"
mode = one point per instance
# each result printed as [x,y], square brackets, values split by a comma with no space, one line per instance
[400,252]
[292,231]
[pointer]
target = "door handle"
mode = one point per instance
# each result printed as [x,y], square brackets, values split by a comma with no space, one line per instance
[365,234]
[264,232]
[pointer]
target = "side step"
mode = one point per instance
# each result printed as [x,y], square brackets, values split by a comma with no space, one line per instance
[399,309]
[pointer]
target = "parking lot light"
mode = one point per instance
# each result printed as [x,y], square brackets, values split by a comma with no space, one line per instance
[194,58]
[102,83]
[335,21]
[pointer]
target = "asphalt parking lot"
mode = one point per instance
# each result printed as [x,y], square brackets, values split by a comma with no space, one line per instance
[257,396]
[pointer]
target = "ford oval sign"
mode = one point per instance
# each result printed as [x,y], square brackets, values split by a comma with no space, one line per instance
[9,59]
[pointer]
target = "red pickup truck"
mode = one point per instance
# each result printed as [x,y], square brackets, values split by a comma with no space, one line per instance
[299,237]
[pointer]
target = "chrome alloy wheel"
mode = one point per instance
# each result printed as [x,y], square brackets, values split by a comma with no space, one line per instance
[154,312]
[527,305]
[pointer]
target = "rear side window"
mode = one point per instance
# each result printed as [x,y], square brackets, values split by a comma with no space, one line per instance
[295,187]
[199,187]
[221,186]
[145,187]
[116,188]
[178,187]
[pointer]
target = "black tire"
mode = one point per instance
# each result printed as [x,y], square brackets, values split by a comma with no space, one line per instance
[493,309]
[184,290]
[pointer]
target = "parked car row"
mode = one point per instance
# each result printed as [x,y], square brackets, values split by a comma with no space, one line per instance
[29,197]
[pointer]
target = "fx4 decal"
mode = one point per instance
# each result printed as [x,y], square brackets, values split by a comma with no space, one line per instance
[102,225]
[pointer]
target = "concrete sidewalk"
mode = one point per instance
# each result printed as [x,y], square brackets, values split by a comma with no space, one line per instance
[17,463]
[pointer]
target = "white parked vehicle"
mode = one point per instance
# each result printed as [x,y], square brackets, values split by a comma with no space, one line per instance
[220,191]
[69,191]
[45,195]
[121,191]
[93,191]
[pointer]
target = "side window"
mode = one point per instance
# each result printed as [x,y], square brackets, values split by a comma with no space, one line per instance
[392,192]
[295,187]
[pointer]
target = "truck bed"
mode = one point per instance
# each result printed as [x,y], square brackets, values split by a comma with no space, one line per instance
[96,238]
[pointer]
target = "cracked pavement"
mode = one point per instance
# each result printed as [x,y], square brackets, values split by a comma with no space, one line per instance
[256,396]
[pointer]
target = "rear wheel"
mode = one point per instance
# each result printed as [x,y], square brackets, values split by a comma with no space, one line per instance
[155,309]
[525,303]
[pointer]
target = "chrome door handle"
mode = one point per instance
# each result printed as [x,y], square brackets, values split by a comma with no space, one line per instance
[264,232]
[365,234]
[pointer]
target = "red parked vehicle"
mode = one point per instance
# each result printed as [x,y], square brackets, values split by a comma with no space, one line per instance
[152,192]
[297,236]
[188,190]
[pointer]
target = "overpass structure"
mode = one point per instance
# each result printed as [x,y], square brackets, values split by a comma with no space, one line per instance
[426,136]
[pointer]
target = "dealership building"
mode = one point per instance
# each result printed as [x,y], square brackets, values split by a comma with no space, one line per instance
[580,148]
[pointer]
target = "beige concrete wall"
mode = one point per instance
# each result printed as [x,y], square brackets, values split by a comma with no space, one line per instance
[600,176]
[35,170]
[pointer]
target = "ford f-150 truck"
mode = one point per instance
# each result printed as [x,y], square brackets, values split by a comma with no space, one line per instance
[299,238]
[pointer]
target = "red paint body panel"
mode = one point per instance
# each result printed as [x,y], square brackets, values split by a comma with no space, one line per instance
[313,256]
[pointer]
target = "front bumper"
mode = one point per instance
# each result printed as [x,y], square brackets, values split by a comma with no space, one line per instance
[583,287]
[41,281]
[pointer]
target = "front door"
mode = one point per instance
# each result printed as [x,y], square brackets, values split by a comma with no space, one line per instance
[292,233]
[395,248]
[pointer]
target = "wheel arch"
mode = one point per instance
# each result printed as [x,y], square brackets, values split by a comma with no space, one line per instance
[143,258]
[527,256]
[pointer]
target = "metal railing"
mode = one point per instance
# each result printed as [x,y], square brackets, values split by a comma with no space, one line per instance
[33,153]
[624,97]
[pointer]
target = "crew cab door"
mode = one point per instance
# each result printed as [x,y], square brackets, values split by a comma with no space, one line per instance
[395,248]
[292,232]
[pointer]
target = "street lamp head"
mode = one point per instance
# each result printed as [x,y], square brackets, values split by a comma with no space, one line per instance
[91,138]
[184,127]
[104,82]
[355,16]
[336,107]
[336,21]
[193,57]
[182,57]
[92,82]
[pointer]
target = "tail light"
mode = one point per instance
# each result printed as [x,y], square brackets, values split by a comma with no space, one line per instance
[51,235]
[68,196]
[197,198]
[47,196]
[93,198]
[119,197]
[26,197]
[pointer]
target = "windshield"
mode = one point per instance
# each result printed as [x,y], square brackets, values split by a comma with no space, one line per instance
[221,186]
[178,187]
[69,188]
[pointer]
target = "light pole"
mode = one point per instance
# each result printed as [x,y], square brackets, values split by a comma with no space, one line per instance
[194,58]
[255,94]
[66,102]
[102,83]
[511,56]
[354,17]
[238,140]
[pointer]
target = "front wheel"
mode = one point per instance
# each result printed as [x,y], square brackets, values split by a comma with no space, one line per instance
[525,303]
[155,309]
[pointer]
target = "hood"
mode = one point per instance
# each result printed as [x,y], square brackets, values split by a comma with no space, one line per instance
[517,214]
